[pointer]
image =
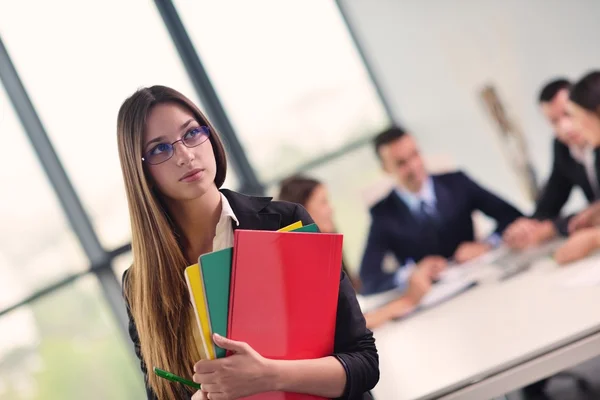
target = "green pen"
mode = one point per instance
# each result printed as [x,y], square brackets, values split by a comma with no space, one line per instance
[175,378]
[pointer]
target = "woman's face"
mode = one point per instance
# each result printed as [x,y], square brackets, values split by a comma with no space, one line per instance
[587,122]
[319,209]
[190,172]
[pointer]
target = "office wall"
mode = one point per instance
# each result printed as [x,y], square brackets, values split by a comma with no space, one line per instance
[432,57]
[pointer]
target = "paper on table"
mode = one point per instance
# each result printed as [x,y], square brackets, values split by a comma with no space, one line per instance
[374,301]
[453,281]
[442,291]
[453,273]
[587,277]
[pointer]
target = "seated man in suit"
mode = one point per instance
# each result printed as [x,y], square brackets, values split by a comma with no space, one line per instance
[573,166]
[425,215]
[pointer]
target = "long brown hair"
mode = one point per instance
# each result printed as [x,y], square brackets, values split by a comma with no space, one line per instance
[155,287]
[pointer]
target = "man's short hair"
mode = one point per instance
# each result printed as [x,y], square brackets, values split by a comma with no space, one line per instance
[551,89]
[388,136]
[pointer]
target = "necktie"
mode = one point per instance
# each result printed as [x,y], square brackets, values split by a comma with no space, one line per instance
[429,227]
[427,214]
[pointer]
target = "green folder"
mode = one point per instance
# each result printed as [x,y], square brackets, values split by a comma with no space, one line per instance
[216,274]
[307,228]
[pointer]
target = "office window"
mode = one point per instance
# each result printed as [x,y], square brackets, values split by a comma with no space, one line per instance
[289,77]
[121,263]
[66,346]
[231,180]
[37,246]
[78,67]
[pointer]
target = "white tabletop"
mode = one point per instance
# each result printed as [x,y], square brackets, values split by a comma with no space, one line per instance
[485,330]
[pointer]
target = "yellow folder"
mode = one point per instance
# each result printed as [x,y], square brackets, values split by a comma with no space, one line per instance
[291,227]
[193,277]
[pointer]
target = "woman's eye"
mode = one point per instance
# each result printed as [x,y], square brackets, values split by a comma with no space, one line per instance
[193,133]
[159,148]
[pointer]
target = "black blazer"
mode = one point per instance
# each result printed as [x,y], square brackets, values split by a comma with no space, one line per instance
[354,345]
[566,174]
[395,230]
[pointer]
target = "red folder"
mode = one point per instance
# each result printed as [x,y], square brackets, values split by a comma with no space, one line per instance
[284,294]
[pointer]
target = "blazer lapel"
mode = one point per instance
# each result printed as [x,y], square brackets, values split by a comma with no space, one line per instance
[258,221]
[443,202]
[584,181]
[400,210]
[249,211]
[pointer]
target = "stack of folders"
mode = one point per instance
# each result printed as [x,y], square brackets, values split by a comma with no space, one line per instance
[275,290]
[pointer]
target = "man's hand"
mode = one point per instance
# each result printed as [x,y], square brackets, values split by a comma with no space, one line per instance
[419,282]
[390,311]
[470,250]
[586,218]
[578,246]
[434,265]
[526,232]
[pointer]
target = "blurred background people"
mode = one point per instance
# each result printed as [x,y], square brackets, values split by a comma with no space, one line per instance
[584,228]
[424,215]
[573,166]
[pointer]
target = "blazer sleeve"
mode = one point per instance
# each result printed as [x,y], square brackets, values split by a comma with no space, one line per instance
[556,191]
[490,204]
[133,334]
[373,278]
[354,345]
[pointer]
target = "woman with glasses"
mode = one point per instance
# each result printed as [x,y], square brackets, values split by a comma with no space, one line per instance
[173,165]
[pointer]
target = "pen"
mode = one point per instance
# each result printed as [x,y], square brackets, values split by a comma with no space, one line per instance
[175,378]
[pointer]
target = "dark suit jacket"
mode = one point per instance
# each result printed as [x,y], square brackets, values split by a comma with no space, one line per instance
[354,345]
[566,174]
[395,229]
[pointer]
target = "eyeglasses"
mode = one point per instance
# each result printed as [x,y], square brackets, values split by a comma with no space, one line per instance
[164,151]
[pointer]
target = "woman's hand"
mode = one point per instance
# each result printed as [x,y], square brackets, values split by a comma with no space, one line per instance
[579,245]
[242,374]
[527,232]
[586,218]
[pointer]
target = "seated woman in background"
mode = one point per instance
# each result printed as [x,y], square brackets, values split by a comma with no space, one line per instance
[584,229]
[312,194]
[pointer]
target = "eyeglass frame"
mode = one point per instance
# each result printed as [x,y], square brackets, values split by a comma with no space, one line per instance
[204,128]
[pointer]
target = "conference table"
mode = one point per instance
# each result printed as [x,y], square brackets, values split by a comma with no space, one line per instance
[496,337]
